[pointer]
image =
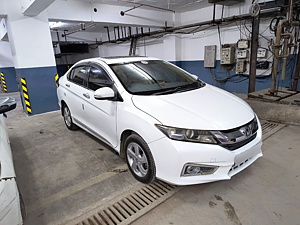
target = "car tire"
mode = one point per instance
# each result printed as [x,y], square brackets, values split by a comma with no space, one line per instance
[139,159]
[68,118]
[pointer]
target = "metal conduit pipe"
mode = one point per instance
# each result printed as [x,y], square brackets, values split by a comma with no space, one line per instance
[277,47]
[83,27]
[296,75]
[290,13]
[286,52]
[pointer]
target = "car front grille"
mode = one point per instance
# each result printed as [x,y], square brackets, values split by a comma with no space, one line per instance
[240,136]
[237,145]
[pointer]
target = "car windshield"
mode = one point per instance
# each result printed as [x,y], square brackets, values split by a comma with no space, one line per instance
[154,77]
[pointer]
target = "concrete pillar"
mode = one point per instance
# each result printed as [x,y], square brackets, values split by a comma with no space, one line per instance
[33,58]
[7,69]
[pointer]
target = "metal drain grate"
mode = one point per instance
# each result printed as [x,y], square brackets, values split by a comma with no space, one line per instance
[269,128]
[135,204]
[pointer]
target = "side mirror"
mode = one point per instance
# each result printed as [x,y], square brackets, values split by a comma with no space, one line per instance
[105,93]
[7,104]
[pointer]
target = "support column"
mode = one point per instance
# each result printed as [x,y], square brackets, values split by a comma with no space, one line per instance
[8,80]
[33,58]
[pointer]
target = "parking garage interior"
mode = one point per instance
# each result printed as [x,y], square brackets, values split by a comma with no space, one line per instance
[249,48]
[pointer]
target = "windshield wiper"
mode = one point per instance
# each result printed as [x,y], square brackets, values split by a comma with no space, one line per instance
[187,87]
[168,91]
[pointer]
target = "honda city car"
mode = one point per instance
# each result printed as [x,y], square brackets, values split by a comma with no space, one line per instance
[165,122]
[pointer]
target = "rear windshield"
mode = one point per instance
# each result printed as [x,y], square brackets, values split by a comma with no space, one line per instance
[154,77]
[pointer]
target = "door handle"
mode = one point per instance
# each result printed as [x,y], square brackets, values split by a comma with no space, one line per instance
[68,85]
[86,95]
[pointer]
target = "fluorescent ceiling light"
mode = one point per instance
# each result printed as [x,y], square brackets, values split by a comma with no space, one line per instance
[55,24]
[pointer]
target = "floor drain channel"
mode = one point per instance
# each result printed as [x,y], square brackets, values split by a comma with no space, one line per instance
[269,128]
[133,205]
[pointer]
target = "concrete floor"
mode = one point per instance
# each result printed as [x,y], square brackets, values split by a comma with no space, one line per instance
[64,174]
[61,173]
[268,192]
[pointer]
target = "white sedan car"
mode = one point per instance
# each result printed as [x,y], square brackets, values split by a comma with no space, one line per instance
[165,122]
[10,201]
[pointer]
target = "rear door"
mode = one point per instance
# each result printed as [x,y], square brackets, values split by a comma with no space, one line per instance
[76,87]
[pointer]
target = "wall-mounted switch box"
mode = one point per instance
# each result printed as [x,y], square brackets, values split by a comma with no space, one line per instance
[241,54]
[210,56]
[227,55]
[261,53]
[242,44]
[240,66]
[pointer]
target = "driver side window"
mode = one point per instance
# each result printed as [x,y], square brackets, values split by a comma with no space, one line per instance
[98,78]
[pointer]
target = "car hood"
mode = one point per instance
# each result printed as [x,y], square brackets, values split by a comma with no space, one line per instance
[206,108]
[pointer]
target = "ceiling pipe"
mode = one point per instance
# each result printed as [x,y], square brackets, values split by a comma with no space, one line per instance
[134,7]
[140,5]
[83,27]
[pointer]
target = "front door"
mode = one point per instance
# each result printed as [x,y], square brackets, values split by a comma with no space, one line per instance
[100,114]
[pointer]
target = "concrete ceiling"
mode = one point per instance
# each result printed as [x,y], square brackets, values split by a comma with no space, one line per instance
[175,5]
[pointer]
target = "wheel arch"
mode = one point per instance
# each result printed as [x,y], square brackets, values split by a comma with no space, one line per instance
[125,134]
[63,103]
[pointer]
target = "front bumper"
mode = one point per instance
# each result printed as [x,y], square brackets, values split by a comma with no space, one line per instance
[10,213]
[170,156]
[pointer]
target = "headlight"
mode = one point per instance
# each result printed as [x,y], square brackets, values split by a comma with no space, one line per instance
[180,134]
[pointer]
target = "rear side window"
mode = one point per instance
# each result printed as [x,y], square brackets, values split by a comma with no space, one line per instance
[98,78]
[78,75]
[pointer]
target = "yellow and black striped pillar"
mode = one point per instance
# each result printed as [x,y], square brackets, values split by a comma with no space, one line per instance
[3,82]
[56,78]
[26,95]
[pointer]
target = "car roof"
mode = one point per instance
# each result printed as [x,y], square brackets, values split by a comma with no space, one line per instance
[118,59]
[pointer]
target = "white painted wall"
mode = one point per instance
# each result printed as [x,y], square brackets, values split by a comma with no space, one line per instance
[6,59]
[145,47]
[2,9]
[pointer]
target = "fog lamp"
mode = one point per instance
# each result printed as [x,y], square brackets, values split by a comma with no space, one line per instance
[197,169]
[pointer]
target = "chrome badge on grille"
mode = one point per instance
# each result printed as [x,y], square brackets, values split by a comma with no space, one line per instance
[246,131]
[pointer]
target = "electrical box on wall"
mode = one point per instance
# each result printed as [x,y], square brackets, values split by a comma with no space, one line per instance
[242,44]
[210,56]
[261,53]
[241,54]
[240,66]
[227,55]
